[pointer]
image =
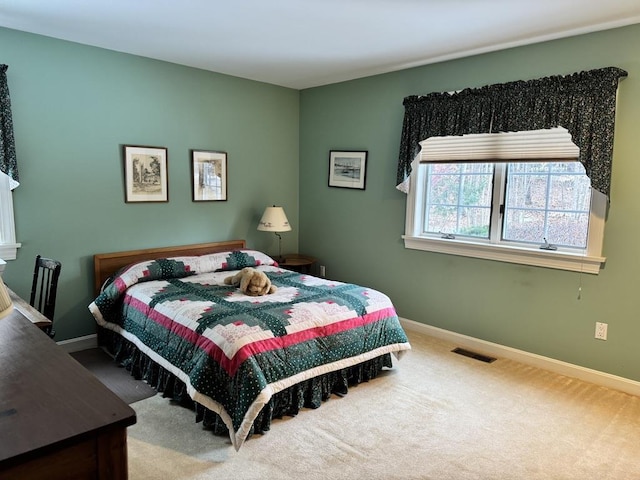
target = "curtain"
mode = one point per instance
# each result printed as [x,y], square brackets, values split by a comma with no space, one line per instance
[583,103]
[8,162]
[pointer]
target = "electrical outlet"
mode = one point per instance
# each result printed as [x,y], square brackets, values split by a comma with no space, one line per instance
[323,271]
[601,330]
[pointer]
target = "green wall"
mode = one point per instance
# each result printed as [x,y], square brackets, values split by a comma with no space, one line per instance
[74,106]
[357,234]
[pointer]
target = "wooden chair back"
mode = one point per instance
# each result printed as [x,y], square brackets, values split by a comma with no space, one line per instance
[44,288]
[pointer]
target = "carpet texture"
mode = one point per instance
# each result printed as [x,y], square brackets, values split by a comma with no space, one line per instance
[114,377]
[436,415]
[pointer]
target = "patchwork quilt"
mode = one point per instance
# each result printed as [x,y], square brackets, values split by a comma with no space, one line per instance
[233,351]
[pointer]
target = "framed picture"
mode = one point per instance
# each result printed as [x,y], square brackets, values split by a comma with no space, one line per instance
[145,174]
[347,168]
[209,175]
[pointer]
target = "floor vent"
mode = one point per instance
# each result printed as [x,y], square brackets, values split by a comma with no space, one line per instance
[474,355]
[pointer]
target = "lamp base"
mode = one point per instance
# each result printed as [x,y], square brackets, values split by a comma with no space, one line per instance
[280,257]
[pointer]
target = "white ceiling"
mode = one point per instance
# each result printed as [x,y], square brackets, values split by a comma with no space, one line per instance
[307,43]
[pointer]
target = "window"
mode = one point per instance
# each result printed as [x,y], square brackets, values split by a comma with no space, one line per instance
[532,205]
[457,199]
[8,245]
[547,201]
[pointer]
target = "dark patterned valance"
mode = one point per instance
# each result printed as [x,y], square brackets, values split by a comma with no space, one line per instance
[584,103]
[8,163]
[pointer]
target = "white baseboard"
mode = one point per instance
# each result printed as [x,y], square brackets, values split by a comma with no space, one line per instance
[481,346]
[79,343]
[496,350]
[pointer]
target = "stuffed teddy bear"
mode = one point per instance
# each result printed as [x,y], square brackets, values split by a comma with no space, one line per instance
[252,282]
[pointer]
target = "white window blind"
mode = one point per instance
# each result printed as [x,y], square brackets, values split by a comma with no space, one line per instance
[553,144]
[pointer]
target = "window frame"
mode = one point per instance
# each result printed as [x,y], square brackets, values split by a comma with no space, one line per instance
[588,261]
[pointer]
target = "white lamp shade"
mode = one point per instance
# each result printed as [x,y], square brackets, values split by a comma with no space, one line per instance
[274,220]
[6,305]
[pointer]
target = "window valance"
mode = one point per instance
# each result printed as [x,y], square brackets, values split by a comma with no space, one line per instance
[583,103]
[8,162]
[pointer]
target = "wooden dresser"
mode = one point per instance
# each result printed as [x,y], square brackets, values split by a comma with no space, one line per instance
[57,420]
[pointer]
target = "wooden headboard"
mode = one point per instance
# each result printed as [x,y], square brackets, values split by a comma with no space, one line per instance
[106,264]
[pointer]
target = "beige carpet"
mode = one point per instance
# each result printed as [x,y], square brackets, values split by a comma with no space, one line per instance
[435,415]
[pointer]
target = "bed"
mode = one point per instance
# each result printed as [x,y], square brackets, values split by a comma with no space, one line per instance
[239,361]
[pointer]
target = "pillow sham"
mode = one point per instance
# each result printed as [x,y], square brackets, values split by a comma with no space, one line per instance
[239,259]
[179,267]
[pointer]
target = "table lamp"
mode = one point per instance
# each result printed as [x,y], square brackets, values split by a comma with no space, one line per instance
[275,220]
[6,305]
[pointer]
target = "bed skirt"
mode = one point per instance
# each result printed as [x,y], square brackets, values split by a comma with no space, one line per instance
[307,394]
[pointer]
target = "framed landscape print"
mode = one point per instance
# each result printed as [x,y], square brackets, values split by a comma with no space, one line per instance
[347,169]
[145,174]
[209,175]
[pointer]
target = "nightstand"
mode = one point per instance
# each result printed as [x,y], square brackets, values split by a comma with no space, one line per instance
[298,263]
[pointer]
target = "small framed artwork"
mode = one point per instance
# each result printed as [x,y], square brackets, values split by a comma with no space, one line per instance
[209,175]
[145,174]
[347,168]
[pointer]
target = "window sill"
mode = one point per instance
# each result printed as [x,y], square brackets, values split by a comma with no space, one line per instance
[538,258]
[8,251]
